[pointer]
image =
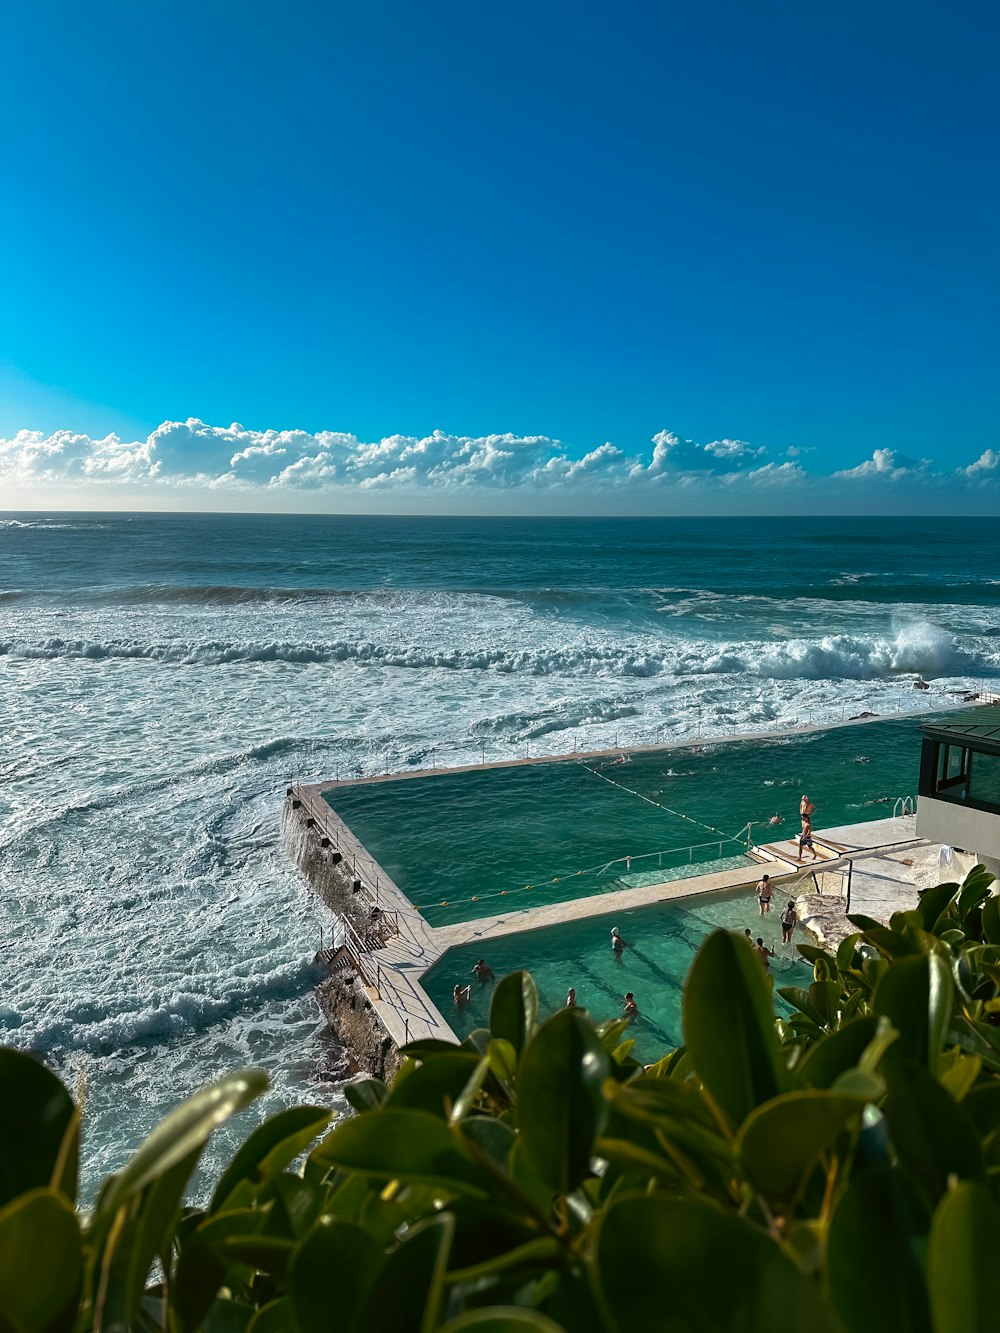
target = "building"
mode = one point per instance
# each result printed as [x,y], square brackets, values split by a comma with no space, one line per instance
[958,794]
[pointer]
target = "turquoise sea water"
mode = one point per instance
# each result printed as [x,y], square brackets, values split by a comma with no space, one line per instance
[162,677]
[662,944]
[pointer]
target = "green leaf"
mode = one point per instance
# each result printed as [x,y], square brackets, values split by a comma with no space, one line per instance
[837,1052]
[799,998]
[183,1130]
[36,1113]
[434,1086]
[933,902]
[403,1144]
[782,1141]
[965,1241]
[368,1094]
[333,1272]
[916,995]
[729,1027]
[873,1254]
[502,1319]
[561,1107]
[266,1153]
[663,1263]
[991,919]
[135,1242]
[273,1318]
[514,1008]
[975,887]
[41,1263]
[407,1296]
[933,1136]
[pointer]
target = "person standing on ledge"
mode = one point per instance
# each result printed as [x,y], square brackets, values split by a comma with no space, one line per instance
[806,810]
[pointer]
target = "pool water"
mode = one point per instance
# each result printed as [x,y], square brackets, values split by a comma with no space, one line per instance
[470,844]
[663,941]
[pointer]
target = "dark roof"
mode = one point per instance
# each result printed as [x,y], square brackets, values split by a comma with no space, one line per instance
[976,735]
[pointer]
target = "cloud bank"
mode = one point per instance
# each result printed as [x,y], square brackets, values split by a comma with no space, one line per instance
[272,463]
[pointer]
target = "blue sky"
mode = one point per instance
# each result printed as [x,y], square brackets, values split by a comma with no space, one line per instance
[550,233]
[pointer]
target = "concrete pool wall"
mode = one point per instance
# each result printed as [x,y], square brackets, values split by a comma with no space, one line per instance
[374,998]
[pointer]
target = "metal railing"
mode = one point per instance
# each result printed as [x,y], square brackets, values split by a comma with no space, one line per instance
[904,805]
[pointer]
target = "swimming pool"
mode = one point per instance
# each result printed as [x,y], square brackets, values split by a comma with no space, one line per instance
[463,845]
[663,941]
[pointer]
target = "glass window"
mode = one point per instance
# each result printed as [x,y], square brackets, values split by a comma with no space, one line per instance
[952,768]
[984,779]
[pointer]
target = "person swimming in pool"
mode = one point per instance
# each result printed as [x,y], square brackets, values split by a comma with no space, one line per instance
[618,944]
[461,995]
[484,972]
[631,1008]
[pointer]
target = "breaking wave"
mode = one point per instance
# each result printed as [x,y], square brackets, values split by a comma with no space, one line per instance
[921,649]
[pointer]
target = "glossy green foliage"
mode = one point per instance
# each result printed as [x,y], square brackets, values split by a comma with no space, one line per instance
[832,1171]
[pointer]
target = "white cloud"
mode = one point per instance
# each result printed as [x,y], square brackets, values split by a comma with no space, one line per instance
[985,468]
[272,467]
[887,465]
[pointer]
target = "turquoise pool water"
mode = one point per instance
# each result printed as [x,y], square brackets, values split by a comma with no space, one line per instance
[663,942]
[465,845]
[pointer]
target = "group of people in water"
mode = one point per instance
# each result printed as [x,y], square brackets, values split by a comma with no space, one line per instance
[765,894]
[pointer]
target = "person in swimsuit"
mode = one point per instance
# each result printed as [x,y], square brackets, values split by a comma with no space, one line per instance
[763,952]
[484,972]
[571,998]
[806,810]
[618,944]
[764,894]
[631,1008]
[461,995]
[787,923]
[806,840]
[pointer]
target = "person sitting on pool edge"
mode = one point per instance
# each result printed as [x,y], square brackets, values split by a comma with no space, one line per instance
[631,1008]
[461,995]
[484,972]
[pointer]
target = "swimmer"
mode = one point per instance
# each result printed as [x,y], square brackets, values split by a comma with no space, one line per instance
[631,1008]
[763,952]
[764,894]
[461,995]
[484,972]
[618,944]
[788,919]
[748,935]
[571,998]
[775,819]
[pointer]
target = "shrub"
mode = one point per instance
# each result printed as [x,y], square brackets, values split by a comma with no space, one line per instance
[838,1170]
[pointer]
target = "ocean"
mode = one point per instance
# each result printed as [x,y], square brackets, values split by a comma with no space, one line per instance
[163,677]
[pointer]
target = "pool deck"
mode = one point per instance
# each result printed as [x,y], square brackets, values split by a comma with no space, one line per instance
[883,860]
